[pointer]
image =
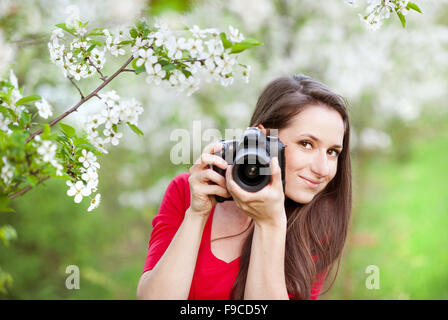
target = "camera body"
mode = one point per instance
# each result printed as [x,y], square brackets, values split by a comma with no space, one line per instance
[251,157]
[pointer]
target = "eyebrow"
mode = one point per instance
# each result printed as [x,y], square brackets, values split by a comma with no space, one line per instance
[318,140]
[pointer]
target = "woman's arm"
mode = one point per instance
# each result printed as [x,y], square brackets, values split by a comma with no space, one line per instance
[170,279]
[266,273]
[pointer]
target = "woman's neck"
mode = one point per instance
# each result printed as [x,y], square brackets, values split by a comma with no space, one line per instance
[234,213]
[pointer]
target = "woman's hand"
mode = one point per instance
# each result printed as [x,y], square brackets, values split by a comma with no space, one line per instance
[266,206]
[205,183]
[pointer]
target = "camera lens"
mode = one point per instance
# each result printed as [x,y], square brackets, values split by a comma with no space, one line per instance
[250,172]
[249,175]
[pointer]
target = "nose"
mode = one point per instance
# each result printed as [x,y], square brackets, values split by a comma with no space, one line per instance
[320,166]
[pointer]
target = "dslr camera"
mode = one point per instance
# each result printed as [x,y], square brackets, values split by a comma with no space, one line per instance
[251,156]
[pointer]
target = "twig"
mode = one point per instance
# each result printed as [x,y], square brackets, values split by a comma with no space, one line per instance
[97,69]
[26,189]
[76,86]
[82,101]
[129,70]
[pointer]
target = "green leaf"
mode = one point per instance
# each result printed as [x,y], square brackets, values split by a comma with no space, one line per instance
[125,42]
[226,43]
[133,33]
[4,201]
[24,119]
[169,67]
[413,6]
[28,99]
[89,147]
[245,44]
[18,138]
[137,69]
[96,42]
[186,73]
[402,19]
[96,32]
[32,180]
[7,234]
[68,130]
[140,70]
[135,129]
[46,131]
[64,27]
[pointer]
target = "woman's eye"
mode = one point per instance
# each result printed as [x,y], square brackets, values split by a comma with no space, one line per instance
[306,144]
[335,152]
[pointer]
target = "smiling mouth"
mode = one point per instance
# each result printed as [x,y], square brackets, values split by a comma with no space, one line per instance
[310,183]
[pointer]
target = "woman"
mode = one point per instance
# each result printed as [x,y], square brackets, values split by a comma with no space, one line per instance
[272,244]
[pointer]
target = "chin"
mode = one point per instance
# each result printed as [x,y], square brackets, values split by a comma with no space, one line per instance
[300,196]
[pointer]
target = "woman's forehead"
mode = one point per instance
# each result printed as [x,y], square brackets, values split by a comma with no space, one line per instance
[318,121]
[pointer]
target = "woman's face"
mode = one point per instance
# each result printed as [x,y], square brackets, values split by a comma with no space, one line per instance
[314,140]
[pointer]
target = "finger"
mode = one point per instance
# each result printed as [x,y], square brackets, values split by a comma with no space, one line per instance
[212,160]
[276,172]
[212,176]
[213,147]
[234,189]
[214,189]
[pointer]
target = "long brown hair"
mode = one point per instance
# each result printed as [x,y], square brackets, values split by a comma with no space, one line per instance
[318,228]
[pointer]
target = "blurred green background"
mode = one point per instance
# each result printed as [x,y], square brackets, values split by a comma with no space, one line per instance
[396,83]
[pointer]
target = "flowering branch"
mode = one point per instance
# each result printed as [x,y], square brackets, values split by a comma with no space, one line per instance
[83,100]
[379,10]
[76,86]
[27,188]
[97,69]
[30,159]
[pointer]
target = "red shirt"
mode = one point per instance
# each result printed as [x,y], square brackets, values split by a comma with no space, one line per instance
[213,278]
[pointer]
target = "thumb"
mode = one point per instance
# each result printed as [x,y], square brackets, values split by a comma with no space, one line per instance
[276,171]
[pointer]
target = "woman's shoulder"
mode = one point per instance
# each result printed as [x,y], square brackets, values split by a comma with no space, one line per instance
[178,191]
[181,178]
[180,182]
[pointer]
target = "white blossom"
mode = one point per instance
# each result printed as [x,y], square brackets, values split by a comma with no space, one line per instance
[7,172]
[13,79]
[111,117]
[155,73]
[225,63]
[235,35]
[99,143]
[246,73]
[56,35]
[197,32]
[112,136]
[78,190]
[57,166]
[192,85]
[48,150]
[88,159]
[98,58]
[174,47]
[161,35]
[146,56]
[110,98]
[195,47]
[90,177]
[4,122]
[130,111]
[95,202]
[112,44]
[140,44]
[44,108]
